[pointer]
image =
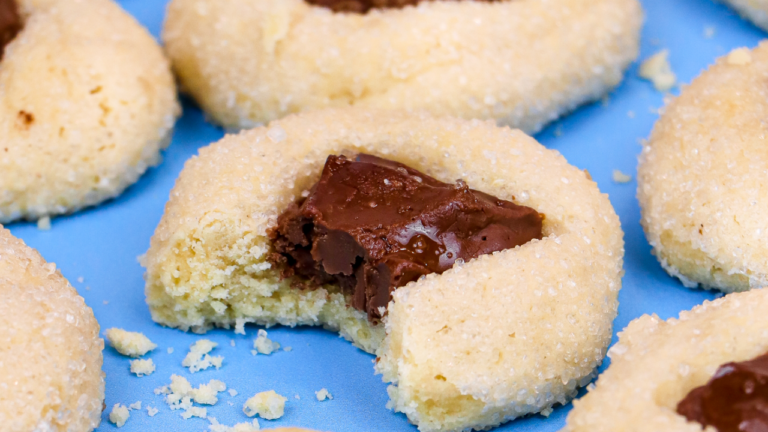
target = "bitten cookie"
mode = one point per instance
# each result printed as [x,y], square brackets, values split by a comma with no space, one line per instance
[703,177]
[87,101]
[656,364]
[522,62]
[50,350]
[491,339]
[754,10]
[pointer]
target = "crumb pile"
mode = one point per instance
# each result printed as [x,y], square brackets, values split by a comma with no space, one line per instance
[540,315]
[104,113]
[51,353]
[198,358]
[180,395]
[522,62]
[657,363]
[703,177]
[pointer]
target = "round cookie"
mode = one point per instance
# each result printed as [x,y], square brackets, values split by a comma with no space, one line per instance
[703,176]
[87,101]
[754,10]
[50,350]
[492,339]
[247,63]
[656,363]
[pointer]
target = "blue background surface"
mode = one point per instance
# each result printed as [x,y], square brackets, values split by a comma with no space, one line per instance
[102,244]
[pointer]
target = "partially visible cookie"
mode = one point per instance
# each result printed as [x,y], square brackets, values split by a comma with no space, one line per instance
[703,177]
[521,62]
[657,363]
[754,10]
[87,101]
[50,350]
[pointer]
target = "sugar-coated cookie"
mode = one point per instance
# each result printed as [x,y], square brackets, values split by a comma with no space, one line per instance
[50,350]
[87,101]
[754,10]
[495,338]
[703,177]
[657,363]
[521,62]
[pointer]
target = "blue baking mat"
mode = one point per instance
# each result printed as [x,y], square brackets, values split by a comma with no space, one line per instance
[101,245]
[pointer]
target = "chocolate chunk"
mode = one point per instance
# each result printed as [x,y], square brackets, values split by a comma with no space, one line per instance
[372,225]
[363,6]
[734,400]
[10,23]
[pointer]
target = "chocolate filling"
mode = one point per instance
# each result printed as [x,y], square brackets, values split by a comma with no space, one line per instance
[10,23]
[372,225]
[363,6]
[734,400]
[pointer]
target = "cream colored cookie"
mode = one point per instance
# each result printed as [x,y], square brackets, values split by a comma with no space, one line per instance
[496,338]
[50,350]
[656,363]
[87,101]
[703,177]
[522,62]
[754,10]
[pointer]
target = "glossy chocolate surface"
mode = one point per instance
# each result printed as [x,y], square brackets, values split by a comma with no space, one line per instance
[372,225]
[734,400]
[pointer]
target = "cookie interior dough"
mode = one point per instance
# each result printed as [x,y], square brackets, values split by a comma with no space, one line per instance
[495,338]
[754,10]
[703,177]
[106,110]
[50,350]
[656,363]
[521,62]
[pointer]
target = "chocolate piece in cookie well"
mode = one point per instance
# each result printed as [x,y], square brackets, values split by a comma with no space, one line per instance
[734,400]
[10,23]
[363,6]
[371,225]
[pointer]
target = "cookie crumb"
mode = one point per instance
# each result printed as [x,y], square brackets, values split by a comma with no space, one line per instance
[232,342]
[658,70]
[133,344]
[232,392]
[170,350]
[289,349]
[119,415]
[180,394]
[323,394]
[80,279]
[135,406]
[142,367]
[297,397]
[215,426]
[268,405]
[620,177]
[264,345]
[739,57]
[195,412]
[152,411]
[44,223]
[198,359]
